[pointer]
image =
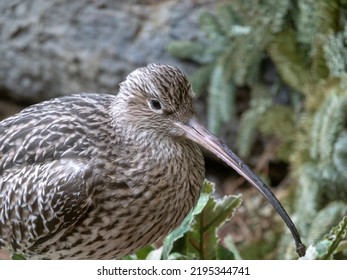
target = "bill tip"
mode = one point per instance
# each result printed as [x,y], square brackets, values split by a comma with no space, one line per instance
[301,249]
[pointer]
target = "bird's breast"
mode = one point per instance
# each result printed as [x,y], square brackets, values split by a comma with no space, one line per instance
[148,197]
[141,199]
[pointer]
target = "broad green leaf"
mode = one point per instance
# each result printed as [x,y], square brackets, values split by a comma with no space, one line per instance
[197,237]
[203,240]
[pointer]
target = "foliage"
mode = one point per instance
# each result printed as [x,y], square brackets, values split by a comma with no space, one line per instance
[18,257]
[291,55]
[332,243]
[237,36]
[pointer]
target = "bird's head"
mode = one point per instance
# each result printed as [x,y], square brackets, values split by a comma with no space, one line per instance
[159,99]
[155,98]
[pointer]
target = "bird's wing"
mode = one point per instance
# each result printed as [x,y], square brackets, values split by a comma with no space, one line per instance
[44,159]
[36,136]
[38,202]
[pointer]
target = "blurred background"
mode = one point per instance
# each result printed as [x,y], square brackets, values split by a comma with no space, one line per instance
[270,78]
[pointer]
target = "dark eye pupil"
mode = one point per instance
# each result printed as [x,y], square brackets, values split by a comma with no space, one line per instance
[155,104]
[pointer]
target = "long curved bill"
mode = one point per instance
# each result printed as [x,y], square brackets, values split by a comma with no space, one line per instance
[197,133]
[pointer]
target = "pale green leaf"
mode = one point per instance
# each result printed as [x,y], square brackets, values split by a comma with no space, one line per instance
[230,245]
[220,100]
[325,219]
[203,240]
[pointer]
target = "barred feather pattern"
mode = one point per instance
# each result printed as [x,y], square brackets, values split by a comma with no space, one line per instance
[97,176]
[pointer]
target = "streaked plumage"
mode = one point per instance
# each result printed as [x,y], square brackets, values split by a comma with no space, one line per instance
[98,176]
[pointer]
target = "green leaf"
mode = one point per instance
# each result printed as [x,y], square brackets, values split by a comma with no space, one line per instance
[289,60]
[329,123]
[189,50]
[325,219]
[202,241]
[179,256]
[221,99]
[212,28]
[340,154]
[141,254]
[336,236]
[230,246]
[18,257]
[224,254]
[155,254]
[332,243]
[201,78]
[251,119]
[197,237]
[322,247]
[335,54]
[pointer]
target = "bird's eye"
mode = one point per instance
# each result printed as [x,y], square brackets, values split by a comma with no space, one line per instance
[155,105]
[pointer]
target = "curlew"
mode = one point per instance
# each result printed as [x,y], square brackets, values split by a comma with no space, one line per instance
[97,176]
